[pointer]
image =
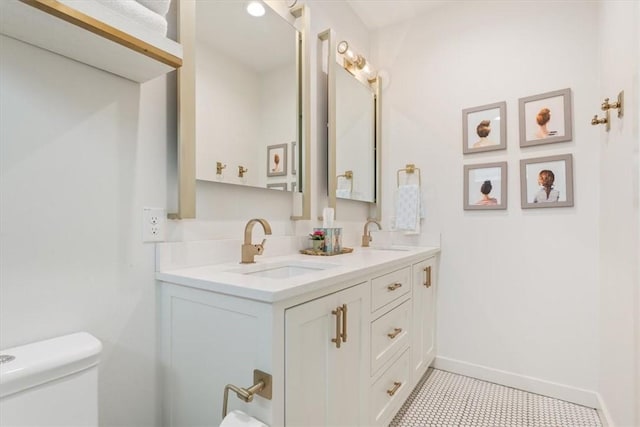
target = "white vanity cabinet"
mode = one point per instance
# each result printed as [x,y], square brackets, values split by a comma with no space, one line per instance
[345,344]
[327,341]
[208,340]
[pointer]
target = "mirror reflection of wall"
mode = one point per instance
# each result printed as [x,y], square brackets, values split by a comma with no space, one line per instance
[355,138]
[246,91]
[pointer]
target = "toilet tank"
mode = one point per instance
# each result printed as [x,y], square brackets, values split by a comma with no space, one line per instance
[50,383]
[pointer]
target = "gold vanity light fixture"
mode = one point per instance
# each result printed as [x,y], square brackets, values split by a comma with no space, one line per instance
[241,171]
[354,62]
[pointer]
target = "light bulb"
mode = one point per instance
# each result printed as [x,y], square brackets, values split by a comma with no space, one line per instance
[343,46]
[255,8]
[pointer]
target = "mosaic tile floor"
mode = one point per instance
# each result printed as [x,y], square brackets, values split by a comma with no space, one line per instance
[444,399]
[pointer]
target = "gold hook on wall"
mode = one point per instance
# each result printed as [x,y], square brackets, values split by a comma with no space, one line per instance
[619,104]
[219,167]
[607,106]
[602,121]
[241,171]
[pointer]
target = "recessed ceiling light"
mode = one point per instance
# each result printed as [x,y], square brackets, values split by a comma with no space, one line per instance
[255,8]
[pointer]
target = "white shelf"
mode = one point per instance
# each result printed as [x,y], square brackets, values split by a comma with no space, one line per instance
[91,33]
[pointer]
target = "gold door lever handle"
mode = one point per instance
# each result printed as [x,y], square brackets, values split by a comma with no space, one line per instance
[394,389]
[394,286]
[395,333]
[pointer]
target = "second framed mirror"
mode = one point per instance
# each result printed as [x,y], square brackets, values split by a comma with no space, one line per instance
[354,148]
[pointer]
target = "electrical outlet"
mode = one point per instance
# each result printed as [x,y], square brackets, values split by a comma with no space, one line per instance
[154,224]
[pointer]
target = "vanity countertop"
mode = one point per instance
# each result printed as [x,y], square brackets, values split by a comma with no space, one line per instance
[277,278]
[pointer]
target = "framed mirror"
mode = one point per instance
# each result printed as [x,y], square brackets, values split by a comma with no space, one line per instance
[354,127]
[243,98]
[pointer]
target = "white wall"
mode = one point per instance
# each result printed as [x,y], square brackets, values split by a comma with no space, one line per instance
[518,296]
[82,152]
[619,216]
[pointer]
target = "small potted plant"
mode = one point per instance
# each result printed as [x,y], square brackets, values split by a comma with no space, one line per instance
[317,239]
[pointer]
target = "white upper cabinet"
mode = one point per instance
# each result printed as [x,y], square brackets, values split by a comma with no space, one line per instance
[90,32]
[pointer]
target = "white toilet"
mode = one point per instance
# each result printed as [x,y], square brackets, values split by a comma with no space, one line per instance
[50,383]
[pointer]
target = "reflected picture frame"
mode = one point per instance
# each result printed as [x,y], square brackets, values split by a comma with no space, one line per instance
[485,186]
[277,160]
[278,186]
[541,189]
[546,118]
[484,128]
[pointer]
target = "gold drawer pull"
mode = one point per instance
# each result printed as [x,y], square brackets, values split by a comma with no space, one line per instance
[343,335]
[392,390]
[338,313]
[427,281]
[394,286]
[395,333]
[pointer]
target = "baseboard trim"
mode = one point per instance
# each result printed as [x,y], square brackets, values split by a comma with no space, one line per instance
[522,382]
[603,412]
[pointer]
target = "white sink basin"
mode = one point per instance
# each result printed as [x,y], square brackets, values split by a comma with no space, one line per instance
[282,270]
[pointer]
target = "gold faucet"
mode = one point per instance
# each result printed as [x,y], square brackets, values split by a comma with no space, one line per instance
[366,234]
[249,250]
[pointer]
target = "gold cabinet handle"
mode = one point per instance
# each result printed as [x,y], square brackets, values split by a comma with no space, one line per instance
[392,390]
[395,333]
[338,313]
[427,278]
[344,323]
[394,286]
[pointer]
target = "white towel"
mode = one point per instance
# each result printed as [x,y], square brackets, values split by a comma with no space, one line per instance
[139,14]
[161,7]
[343,193]
[408,208]
[343,189]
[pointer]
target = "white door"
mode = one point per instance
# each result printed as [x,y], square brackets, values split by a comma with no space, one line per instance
[326,376]
[424,327]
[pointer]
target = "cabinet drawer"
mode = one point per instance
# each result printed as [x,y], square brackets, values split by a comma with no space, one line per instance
[390,391]
[389,287]
[390,335]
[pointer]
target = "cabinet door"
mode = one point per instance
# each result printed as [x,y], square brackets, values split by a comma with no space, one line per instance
[326,385]
[424,316]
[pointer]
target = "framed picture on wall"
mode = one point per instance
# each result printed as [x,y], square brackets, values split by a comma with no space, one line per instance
[484,128]
[545,118]
[294,157]
[278,186]
[485,186]
[546,182]
[277,160]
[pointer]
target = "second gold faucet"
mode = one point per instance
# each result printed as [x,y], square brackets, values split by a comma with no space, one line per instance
[366,234]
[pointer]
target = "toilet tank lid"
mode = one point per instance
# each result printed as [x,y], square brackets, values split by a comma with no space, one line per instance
[48,360]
